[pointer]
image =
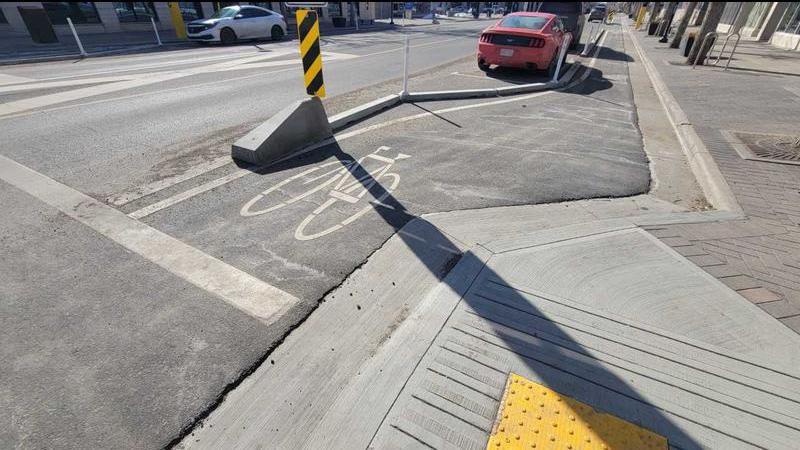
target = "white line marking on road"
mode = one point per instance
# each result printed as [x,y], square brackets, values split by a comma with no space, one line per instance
[205,187]
[139,80]
[484,78]
[55,84]
[143,191]
[144,94]
[241,290]
[340,137]
[12,79]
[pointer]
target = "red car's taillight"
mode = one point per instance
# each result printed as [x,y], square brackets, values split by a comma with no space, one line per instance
[486,37]
[537,43]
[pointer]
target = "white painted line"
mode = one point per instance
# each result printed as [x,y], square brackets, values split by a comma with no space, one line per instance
[12,79]
[143,94]
[241,290]
[144,212]
[55,84]
[485,78]
[175,199]
[77,94]
[143,191]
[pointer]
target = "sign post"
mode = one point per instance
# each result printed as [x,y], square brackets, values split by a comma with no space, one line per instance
[308,34]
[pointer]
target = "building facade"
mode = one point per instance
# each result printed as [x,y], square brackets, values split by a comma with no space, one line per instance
[28,18]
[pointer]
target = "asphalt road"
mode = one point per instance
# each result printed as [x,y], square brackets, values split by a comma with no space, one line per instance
[105,346]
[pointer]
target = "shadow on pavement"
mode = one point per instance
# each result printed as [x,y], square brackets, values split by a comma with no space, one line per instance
[536,357]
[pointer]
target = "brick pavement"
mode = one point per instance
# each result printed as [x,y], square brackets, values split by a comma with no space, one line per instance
[759,257]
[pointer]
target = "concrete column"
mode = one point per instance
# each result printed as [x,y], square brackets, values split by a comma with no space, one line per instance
[108,16]
[771,22]
[14,18]
[164,16]
[208,9]
[741,18]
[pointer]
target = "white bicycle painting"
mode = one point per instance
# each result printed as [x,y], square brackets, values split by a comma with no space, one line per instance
[346,181]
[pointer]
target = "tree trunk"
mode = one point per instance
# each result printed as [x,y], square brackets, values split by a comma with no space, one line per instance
[710,23]
[669,10]
[654,13]
[701,14]
[676,42]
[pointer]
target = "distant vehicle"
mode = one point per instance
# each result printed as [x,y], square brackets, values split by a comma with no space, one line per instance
[232,23]
[527,40]
[597,13]
[571,15]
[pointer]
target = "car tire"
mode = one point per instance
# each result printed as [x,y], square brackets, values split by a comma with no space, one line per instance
[484,67]
[227,36]
[276,33]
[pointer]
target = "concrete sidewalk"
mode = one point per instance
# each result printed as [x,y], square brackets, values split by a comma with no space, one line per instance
[611,302]
[754,106]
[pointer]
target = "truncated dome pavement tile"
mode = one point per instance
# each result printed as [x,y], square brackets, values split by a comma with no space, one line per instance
[532,416]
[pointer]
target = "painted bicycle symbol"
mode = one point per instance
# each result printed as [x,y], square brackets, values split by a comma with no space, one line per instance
[346,181]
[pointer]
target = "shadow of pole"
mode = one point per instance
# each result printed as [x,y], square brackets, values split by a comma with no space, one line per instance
[539,358]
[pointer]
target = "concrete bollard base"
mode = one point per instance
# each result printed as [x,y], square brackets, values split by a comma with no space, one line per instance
[300,124]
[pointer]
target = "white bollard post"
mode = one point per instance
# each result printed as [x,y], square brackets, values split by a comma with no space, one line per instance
[405,69]
[155,30]
[561,57]
[77,39]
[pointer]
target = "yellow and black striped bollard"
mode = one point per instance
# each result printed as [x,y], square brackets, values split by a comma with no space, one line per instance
[308,32]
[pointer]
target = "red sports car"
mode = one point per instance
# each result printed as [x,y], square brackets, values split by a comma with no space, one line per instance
[527,40]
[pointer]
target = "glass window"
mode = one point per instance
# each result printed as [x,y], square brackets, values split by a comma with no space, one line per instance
[191,10]
[730,12]
[791,19]
[3,17]
[78,12]
[560,7]
[228,11]
[531,23]
[254,12]
[135,11]
[335,9]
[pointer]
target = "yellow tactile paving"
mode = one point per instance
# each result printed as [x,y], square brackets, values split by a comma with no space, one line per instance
[535,417]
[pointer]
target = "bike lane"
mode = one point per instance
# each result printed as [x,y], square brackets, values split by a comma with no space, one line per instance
[305,224]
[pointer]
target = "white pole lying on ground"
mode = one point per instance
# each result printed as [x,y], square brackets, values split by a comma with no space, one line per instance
[405,69]
[77,39]
[561,54]
[155,29]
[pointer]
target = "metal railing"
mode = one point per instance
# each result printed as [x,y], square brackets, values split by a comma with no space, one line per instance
[710,55]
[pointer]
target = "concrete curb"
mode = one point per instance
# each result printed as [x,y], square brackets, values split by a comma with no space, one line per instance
[493,92]
[261,147]
[705,169]
[591,45]
[345,118]
[358,113]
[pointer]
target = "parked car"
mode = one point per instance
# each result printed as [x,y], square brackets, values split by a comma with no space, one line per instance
[571,15]
[527,40]
[597,13]
[232,23]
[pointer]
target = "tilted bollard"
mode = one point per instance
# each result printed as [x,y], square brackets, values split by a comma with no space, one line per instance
[77,39]
[155,30]
[561,54]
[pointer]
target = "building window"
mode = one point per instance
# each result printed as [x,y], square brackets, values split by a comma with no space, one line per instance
[730,12]
[790,22]
[135,11]
[191,10]
[335,9]
[78,12]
